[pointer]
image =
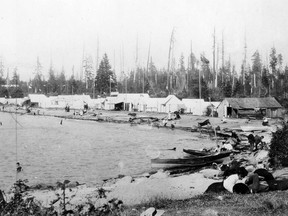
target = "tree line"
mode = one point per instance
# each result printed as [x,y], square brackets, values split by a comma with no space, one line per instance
[195,79]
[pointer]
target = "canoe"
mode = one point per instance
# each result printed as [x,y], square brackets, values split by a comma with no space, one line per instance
[196,161]
[253,128]
[196,152]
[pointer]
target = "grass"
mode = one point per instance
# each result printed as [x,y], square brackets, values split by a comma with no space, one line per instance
[268,203]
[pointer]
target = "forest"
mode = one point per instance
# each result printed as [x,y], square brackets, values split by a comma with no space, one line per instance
[195,78]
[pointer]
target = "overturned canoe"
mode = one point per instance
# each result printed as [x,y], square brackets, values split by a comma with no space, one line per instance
[196,161]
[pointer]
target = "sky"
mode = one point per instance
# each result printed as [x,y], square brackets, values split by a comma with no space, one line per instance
[61,32]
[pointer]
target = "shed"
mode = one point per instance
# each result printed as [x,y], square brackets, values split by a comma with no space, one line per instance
[249,107]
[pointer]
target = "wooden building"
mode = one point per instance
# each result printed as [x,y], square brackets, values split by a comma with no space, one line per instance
[249,107]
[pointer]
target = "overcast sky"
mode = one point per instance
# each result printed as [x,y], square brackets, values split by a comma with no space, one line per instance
[59,30]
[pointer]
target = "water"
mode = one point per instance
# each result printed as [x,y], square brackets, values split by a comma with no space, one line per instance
[82,151]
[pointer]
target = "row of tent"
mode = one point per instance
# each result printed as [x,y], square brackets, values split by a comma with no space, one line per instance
[228,107]
[118,101]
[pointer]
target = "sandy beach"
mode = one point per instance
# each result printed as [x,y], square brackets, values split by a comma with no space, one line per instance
[134,190]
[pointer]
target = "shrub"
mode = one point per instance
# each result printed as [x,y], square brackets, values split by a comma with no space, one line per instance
[278,152]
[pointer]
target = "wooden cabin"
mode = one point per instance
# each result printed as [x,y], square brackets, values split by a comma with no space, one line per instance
[249,107]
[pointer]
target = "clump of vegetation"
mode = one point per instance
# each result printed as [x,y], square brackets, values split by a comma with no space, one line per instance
[18,205]
[21,204]
[278,152]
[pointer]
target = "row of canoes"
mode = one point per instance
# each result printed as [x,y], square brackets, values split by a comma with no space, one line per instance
[196,159]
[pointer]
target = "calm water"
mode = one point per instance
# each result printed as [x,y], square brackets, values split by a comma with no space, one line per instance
[82,151]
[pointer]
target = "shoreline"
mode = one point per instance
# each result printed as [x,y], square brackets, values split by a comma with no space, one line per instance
[133,190]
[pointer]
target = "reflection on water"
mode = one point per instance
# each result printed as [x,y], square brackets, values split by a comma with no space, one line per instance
[82,151]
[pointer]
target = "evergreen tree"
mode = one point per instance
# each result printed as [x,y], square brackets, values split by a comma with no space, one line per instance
[61,80]
[37,82]
[15,78]
[274,75]
[265,82]
[52,85]
[105,77]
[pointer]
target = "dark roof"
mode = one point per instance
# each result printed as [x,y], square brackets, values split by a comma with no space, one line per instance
[251,103]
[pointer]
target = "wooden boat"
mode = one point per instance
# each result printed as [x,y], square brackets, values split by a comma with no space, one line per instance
[196,152]
[197,161]
[253,128]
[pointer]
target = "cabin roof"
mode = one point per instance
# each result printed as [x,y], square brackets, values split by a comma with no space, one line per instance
[251,103]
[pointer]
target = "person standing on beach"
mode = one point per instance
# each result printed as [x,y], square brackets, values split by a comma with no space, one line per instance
[251,140]
[258,140]
[18,167]
[19,171]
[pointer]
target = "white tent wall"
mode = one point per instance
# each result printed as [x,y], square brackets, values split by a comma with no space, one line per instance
[3,100]
[109,103]
[97,103]
[15,101]
[172,104]
[153,104]
[194,106]
[40,99]
[136,102]
[74,101]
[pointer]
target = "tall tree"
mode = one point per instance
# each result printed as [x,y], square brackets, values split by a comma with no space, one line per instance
[15,78]
[106,78]
[256,73]
[274,75]
[62,82]
[51,85]
[265,82]
[37,82]
[89,73]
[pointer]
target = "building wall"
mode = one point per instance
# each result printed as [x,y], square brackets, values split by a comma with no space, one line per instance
[222,109]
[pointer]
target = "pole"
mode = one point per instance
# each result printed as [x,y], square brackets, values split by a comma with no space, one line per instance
[199,83]
[110,84]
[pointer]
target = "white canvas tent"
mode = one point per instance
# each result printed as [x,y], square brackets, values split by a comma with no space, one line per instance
[169,104]
[74,101]
[39,100]
[194,106]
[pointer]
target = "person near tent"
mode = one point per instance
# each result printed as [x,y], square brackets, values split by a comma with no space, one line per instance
[169,117]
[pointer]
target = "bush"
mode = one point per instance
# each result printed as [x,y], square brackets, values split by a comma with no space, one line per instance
[278,152]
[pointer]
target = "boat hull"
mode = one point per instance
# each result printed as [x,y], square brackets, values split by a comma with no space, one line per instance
[190,162]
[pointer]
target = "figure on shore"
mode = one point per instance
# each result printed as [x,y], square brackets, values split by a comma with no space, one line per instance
[258,140]
[85,106]
[169,116]
[18,167]
[177,115]
[265,122]
[61,122]
[67,108]
[251,140]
